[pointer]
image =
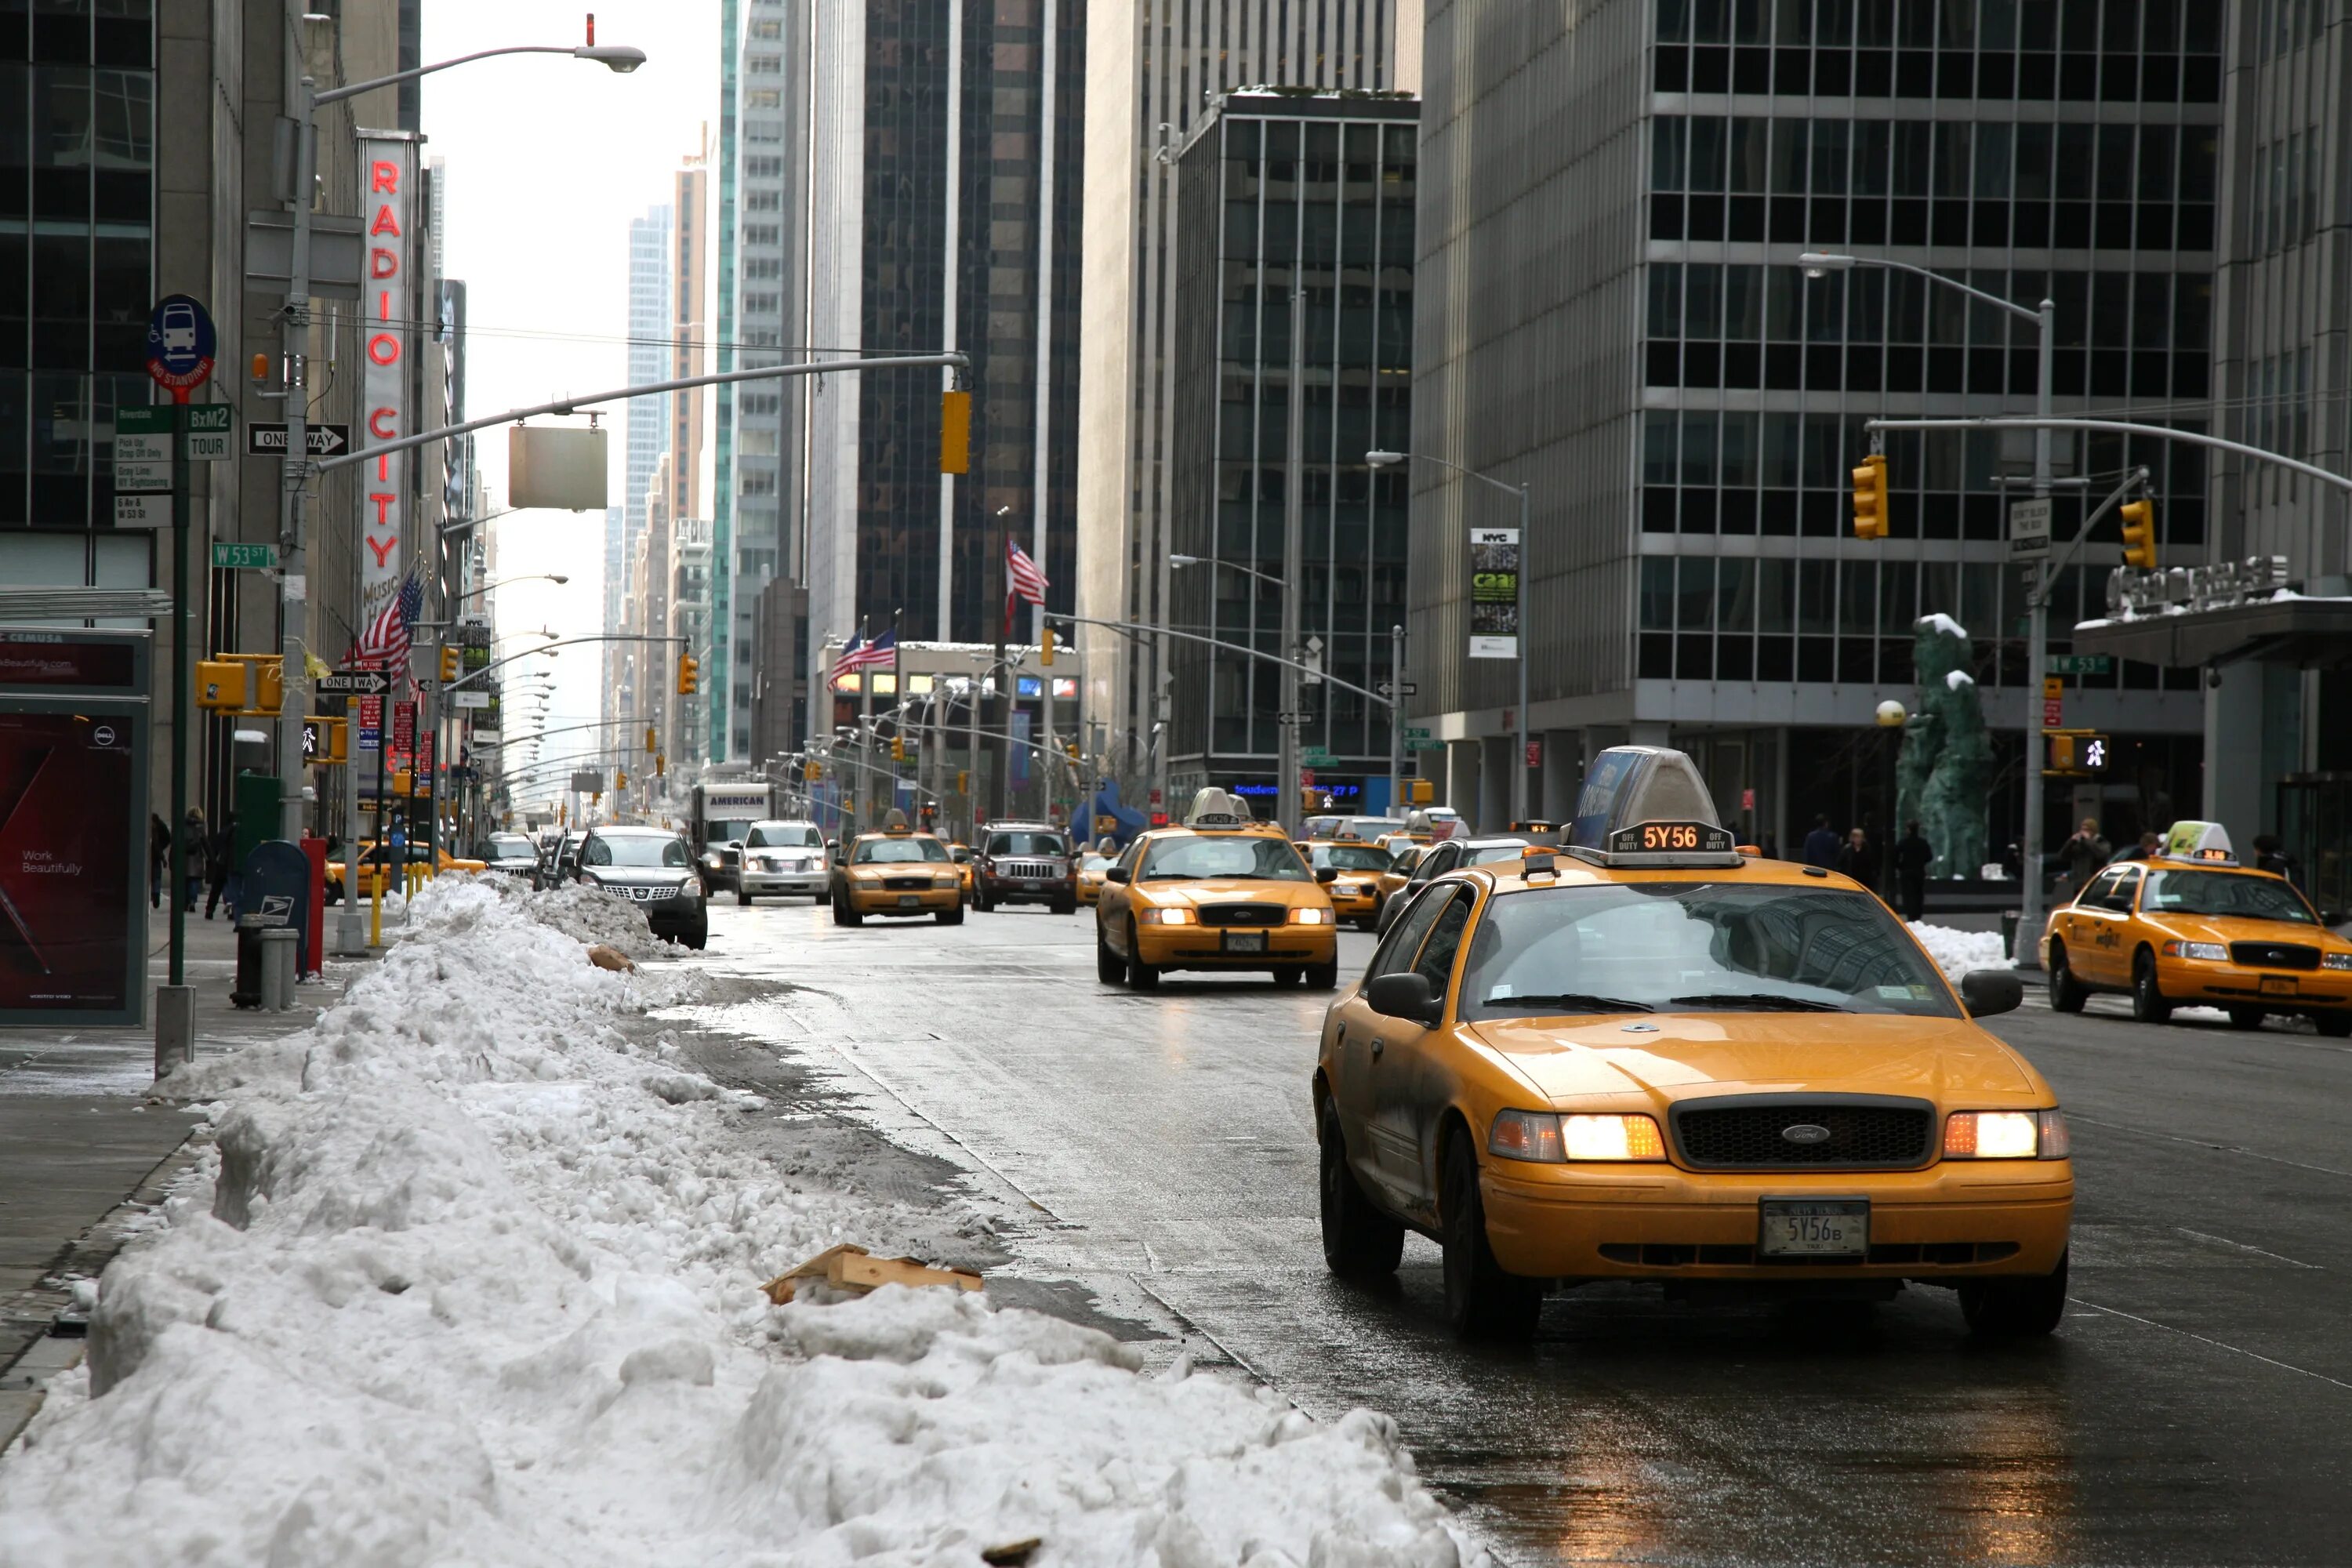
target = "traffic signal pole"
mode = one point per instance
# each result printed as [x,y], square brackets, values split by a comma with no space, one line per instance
[2028,945]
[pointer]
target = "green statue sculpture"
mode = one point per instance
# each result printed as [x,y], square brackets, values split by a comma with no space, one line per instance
[1946,765]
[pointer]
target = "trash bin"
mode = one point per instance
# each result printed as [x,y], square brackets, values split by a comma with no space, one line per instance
[2009,918]
[282,957]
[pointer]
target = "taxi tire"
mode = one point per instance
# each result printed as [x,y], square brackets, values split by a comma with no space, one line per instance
[2247,1017]
[2016,1309]
[1360,1242]
[1290,973]
[2067,992]
[1110,967]
[2149,1005]
[1482,1302]
[1323,976]
[1368,923]
[2334,1025]
[953,917]
[1140,976]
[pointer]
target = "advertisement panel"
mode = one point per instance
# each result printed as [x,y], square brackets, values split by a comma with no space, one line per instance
[389,166]
[1494,593]
[73,816]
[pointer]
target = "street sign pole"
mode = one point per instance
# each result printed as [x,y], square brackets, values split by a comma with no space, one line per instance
[1396,721]
[293,590]
[184,678]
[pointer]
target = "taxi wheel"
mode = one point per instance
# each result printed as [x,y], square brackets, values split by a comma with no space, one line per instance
[1368,923]
[2247,1017]
[1140,976]
[953,917]
[1360,1242]
[2067,992]
[1482,1302]
[1110,967]
[2149,1005]
[2015,1309]
[1289,974]
[2334,1025]
[1323,976]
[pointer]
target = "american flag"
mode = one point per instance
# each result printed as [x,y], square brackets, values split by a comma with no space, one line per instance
[1026,582]
[879,654]
[384,643]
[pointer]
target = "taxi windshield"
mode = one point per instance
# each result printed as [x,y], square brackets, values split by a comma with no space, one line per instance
[1180,859]
[898,851]
[1696,947]
[2224,893]
[1352,856]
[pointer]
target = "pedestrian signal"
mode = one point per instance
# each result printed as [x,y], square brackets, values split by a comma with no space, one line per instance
[1870,498]
[2139,533]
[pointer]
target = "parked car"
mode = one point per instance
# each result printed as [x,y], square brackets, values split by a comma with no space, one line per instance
[375,857]
[513,854]
[651,869]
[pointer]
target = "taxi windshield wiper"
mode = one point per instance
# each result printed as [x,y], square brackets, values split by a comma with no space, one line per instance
[1757,1001]
[1572,1002]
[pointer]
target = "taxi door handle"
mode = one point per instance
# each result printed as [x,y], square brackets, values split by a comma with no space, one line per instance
[1378,1045]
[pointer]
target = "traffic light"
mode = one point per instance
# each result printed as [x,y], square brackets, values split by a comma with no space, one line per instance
[661,764]
[1048,646]
[1870,498]
[2079,752]
[1071,747]
[812,772]
[650,745]
[270,675]
[963,781]
[2139,533]
[955,432]
[897,748]
[687,671]
[448,665]
[220,684]
[620,779]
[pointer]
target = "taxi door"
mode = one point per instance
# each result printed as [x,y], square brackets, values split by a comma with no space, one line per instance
[1370,1051]
[2098,928]
[1110,909]
[1413,1090]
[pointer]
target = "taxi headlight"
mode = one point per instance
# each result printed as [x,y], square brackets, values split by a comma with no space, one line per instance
[1310,916]
[1167,918]
[1550,1139]
[2006,1135]
[2335,960]
[944,882]
[2212,951]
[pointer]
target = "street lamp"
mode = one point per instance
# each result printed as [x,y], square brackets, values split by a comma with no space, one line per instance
[1819,263]
[1518,609]
[1180,561]
[555,577]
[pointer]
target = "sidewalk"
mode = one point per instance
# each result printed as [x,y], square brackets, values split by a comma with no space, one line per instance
[78,1142]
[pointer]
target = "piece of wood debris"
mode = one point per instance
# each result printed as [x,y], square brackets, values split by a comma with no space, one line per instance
[613,958]
[849,1266]
[1012,1554]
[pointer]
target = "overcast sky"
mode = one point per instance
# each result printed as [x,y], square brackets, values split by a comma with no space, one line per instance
[547,161]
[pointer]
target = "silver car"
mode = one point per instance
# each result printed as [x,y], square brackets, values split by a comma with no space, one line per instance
[785,857]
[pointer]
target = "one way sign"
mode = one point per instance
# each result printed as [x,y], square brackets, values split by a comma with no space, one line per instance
[265,438]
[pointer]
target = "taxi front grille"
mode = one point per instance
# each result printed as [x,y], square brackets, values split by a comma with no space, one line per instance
[2274,955]
[1242,914]
[1751,1132]
[906,884]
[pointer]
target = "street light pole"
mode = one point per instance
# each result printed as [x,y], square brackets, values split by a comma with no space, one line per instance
[1294,507]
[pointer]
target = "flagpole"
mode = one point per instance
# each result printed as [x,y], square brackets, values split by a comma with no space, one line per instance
[1000,789]
[865,733]
[898,697]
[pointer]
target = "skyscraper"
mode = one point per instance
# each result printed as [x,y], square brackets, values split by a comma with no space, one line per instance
[647,431]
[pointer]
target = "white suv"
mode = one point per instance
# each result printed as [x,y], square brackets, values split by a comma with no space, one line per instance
[784,857]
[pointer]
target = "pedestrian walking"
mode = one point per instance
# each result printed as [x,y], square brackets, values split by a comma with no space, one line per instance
[1912,855]
[2149,843]
[2083,855]
[2269,855]
[220,868]
[1821,845]
[191,839]
[1859,859]
[159,858]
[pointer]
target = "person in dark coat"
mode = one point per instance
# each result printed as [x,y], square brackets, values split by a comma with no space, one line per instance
[1821,845]
[220,868]
[1859,859]
[159,858]
[191,839]
[2083,856]
[2269,855]
[1912,855]
[2149,843]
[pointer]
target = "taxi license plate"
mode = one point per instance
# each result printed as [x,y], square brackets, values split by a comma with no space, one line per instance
[1245,942]
[909,901]
[2278,985]
[1814,1227]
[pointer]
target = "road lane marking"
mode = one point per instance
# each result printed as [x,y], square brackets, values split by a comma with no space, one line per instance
[2208,1340]
[2225,1241]
[2201,1143]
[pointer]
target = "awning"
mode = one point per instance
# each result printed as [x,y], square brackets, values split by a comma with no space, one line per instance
[71,603]
[2312,634]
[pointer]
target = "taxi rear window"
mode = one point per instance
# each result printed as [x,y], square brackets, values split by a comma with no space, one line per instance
[1696,947]
[2225,893]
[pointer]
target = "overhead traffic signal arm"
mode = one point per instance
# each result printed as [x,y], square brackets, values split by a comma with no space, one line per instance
[1870,498]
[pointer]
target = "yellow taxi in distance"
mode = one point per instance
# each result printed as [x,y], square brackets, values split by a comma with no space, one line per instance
[1091,866]
[2190,926]
[1386,886]
[1649,1056]
[1220,892]
[373,859]
[897,871]
[966,876]
[1355,891]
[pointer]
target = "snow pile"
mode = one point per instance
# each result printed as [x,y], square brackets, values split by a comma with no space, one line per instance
[1936,621]
[1958,952]
[1956,678]
[585,913]
[468,1274]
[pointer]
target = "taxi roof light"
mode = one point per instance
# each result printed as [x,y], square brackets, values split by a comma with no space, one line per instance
[2208,842]
[1215,808]
[1648,806]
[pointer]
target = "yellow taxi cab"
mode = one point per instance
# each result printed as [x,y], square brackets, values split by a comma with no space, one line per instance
[966,877]
[1647,1055]
[1402,858]
[1092,863]
[1222,892]
[373,859]
[897,871]
[2191,927]
[1355,891]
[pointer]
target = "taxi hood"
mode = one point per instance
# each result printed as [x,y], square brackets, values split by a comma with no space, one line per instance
[1945,1059]
[2183,927]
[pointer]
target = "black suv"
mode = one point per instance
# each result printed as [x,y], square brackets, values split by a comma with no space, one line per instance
[651,869]
[1025,863]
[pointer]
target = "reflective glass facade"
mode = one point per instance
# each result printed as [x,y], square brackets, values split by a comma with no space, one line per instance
[1275,195]
[77,252]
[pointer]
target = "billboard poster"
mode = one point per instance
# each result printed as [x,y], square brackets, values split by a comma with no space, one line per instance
[72,819]
[388,165]
[1494,593]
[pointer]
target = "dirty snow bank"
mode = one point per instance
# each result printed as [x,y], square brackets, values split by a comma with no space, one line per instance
[1958,952]
[468,1275]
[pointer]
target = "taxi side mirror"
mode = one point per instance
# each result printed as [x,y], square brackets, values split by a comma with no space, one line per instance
[1991,991]
[1404,996]
[1327,874]
[1117,873]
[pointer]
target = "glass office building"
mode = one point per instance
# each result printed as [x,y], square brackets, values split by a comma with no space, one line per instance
[1278,192]
[1623,324]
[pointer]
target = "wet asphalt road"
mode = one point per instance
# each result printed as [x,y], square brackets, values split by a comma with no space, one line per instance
[2196,1406]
